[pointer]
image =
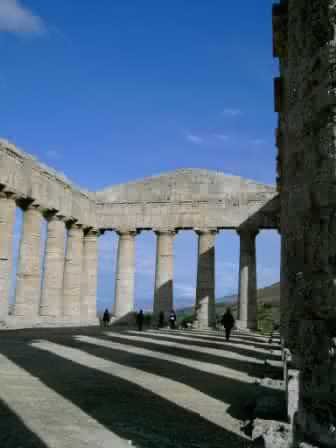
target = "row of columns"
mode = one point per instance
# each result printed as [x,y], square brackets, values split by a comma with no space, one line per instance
[69,274]
[205,309]
[69,271]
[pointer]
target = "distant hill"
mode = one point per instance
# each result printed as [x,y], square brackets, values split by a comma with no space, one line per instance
[269,295]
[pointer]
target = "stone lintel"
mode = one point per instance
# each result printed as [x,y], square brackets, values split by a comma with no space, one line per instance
[171,232]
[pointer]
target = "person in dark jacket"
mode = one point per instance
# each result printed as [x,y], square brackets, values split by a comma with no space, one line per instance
[139,319]
[161,319]
[228,323]
[106,318]
[172,320]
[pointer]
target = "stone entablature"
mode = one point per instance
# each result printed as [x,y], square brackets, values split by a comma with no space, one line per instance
[26,177]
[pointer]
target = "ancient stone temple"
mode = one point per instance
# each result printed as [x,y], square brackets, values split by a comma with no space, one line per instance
[63,290]
[305,43]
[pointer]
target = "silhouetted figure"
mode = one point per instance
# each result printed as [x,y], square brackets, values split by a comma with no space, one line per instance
[106,318]
[228,323]
[139,319]
[172,320]
[161,319]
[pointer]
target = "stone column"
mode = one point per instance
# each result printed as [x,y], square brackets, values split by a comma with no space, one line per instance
[205,309]
[72,273]
[247,294]
[28,277]
[125,275]
[163,294]
[52,286]
[88,306]
[7,221]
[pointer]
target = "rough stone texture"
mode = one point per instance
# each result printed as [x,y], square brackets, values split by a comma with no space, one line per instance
[28,276]
[305,42]
[125,275]
[52,286]
[205,308]
[88,311]
[163,294]
[7,221]
[73,273]
[247,292]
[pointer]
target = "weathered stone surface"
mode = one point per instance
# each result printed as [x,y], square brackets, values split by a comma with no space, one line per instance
[125,275]
[163,294]
[205,308]
[73,273]
[88,311]
[28,277]
[7,220]
[52,286]
[247,292]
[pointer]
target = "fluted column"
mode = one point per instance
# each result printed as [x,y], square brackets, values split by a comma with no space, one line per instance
[205,309]
[7,221]
[247,294]
[52,286]
[163,294]
[88,306]
[72,273]
[125,275]
[28,277]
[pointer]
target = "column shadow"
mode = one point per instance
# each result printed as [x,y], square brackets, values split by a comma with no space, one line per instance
[125,408]
[13,431]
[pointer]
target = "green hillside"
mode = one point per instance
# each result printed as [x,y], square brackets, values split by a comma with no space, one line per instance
[268,305]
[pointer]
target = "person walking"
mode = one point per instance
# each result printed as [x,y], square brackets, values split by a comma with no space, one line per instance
[106,318]
[228,323]
[139,319]
[172,320]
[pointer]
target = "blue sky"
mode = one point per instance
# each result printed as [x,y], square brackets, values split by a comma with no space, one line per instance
[112,91]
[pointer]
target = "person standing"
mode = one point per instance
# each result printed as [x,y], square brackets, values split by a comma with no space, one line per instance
[228,323]
[140,318]
[172,320]
[106,318]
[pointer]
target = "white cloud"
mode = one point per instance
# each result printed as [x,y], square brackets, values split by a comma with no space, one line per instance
[232,112]
[15,18]
[195,139]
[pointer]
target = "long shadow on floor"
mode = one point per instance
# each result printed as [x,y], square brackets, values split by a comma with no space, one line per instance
[14,433]
[233,340]
[210,344]
[124,408]
[231,391]
[249,368]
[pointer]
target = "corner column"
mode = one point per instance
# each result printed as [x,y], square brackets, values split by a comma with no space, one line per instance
[52,287]
[72,273]
[247,294]
[125,275]
[163,293]
[28,277]
[205,309]
[7,221]
[88,306]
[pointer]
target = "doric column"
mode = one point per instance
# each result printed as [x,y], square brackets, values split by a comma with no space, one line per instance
[52,285]
[7,221]
[163,294]
[205,309]
[247,294]
[73,272]
[88,306]
[125,274]
[28,277]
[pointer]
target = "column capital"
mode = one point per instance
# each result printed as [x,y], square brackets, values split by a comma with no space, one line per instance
[250,231]
[171,232]
[206,231]
[124,233]
[70,225]
[53,215]
[92,232]
[29,204]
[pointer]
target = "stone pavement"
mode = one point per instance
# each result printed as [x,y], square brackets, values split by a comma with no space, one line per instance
[97,387]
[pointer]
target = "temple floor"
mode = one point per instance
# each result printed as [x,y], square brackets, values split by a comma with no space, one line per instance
[95,387]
